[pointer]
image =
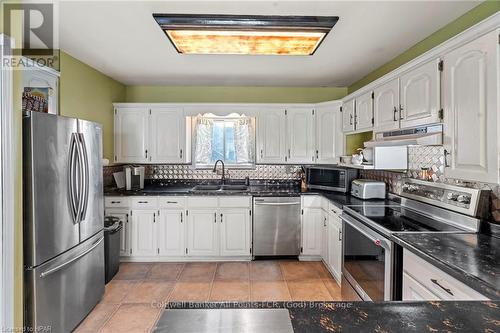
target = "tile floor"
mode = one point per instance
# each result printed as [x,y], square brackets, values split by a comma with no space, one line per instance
[134,299]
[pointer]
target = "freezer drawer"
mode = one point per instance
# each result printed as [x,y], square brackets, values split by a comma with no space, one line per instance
[60,293]
[276,226]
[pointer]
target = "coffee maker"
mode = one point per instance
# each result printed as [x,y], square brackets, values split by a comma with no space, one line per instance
[134,178]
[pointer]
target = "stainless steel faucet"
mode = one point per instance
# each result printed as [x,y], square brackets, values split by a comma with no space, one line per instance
[223,178]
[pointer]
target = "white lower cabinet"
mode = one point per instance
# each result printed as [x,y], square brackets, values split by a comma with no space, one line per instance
[312,226]
[334,256]
[171,232]
[123,216]
[143,233]
[235,232]
[423,281]
[202,232]
[169,228]
[414,291]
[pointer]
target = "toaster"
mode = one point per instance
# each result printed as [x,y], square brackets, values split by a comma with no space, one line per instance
[368,189]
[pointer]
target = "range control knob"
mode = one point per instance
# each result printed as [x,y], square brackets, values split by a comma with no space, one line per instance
[463,199]
[452,196]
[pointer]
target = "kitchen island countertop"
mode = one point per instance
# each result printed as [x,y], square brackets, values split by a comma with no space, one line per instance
[369,316]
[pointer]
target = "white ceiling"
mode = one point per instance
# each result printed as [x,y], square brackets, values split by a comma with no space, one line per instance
[121,39]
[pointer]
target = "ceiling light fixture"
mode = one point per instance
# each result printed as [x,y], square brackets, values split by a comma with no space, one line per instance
[244,34]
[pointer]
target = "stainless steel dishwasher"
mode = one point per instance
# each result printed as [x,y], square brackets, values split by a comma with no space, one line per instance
[276,226]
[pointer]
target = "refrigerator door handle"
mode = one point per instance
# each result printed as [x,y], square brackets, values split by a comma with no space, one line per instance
[72,179]
[85,173]
[61,266]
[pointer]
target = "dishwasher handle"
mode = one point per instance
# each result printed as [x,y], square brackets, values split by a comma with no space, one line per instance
[276,203]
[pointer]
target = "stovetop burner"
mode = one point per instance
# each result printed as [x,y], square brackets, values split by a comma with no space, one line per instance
[401,219]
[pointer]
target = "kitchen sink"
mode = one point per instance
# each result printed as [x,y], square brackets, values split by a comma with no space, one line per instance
[220,188]
[206,188]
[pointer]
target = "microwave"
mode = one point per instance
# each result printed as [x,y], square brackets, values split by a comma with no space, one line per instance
[330,178]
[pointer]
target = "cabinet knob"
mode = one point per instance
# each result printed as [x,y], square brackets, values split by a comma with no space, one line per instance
[395,114]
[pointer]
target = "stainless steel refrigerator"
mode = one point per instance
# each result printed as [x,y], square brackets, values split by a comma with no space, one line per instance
[63,220]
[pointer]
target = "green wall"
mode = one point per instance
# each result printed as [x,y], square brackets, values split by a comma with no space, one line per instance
[180,94]
[88,94]
[465,21]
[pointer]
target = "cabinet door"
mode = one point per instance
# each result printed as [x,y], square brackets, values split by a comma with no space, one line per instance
[312,225]
[170,231]
[414,291]
[131,138]
[123,215]
[143,234]
[335,245]
[420,95]
[348,116]
[167,135]
[271,137]
[324,239]
[364,112]
[386,106]
[300,138]
[326,124]
[470,88]
[202,232]
[235,232]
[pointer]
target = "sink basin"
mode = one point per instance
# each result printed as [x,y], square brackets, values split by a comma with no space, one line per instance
[206,188]
[220,188]
[234,188]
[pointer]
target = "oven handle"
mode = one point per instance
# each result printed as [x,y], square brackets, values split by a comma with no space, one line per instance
[379,241]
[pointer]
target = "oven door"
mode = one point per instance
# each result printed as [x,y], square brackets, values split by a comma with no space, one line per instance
[367,260]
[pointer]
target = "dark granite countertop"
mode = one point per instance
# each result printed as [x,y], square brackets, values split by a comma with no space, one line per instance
[370,316]
[473,259]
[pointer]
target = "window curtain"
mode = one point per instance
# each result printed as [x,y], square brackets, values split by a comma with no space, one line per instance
[203,139]
[244,140]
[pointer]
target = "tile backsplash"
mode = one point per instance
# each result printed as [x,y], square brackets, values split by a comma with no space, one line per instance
[182,171]
[432,157]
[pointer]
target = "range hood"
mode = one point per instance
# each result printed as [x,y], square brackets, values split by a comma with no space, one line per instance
[430,135]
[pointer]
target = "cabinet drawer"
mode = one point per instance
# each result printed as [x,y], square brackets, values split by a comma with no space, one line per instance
[332,208]
[202,202]
[172,202]
[116,202]
[144,202]
[234,202]
[436,281]
[312,201]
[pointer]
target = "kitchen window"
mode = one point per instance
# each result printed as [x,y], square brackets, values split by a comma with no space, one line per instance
[230,139]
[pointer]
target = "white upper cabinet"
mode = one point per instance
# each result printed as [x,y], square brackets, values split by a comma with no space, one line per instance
[168,136]
[300,138]
[386,106]
[326,133]
[271,136]
[348,108]
[170,232]
[420,95]
[235,232]
[131,135]
[363,115]
[470,89]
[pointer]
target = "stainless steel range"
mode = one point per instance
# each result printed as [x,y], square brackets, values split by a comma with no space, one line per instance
[372,262]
